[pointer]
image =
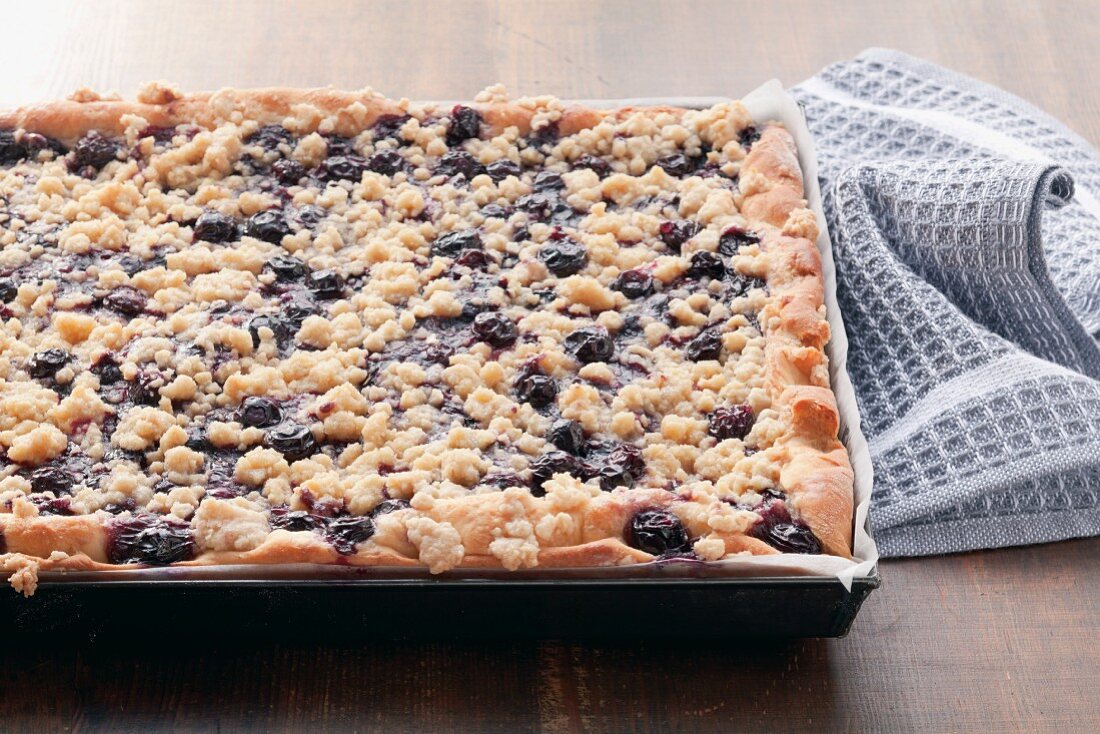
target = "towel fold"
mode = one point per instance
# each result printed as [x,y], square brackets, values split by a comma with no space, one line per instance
[966,233]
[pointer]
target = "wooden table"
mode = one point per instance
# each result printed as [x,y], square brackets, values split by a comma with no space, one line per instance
[1005,640]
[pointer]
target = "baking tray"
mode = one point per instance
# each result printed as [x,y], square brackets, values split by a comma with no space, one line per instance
[371,609]
[747,597]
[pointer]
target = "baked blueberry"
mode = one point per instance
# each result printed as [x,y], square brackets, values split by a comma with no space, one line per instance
[149,539]
[539,207]
[52,478]
[590,344]
[772,506]
[325,284]
[309,216]
[675,233]
[297,307]
[52,506]
[628,456]
[126,300]
[474,307]
[107,369]
[343,168]
[503,168]
[495,329]
[742,284]
[787,537]
[708,345]
[8,291]
[345,533]
[271,137]
[339,145]
[778,529]
[145,388]
[502,478]
[734,238]
[465,123]
[749,135]
[545,137]
[537,389]
[11,150]
[34,142]
[547,181]
[475,259]
[459,163]
[567,436]
[548,207]
[624,466]
[706,265]
[731,422]
[288,172]
[389,126]
[94,151]
[117,508]
[286,269]
[676,164]
[48,362]
[259,412]
[296,521]
[557,462]
[597,165]
[563,257]
[216,227]
[161,134]
[453,243]
[293,440]
[198,440]
[494,211]
[657,532]
[281,329]
[269,226]
[634,284]
[386,162]
[131,265]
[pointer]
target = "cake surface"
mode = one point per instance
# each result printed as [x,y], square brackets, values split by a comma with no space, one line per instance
[310,326]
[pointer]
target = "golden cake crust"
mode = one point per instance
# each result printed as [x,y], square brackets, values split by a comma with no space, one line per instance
[345,113]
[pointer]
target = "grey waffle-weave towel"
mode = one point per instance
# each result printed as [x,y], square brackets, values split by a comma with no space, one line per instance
[966,232]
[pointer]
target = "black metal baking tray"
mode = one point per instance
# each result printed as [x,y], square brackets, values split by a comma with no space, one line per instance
[365,609]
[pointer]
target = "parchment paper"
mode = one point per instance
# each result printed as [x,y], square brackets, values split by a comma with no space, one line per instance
[768,102]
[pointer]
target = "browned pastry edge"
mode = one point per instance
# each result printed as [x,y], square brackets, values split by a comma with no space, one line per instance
[54,543]
[817,476]
[350,112]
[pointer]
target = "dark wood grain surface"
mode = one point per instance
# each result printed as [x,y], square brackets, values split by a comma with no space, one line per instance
[999,641]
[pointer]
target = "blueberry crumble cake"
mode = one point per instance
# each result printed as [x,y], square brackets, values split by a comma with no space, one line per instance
[288,326]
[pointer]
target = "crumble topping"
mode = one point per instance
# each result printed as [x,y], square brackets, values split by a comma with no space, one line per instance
[434,337]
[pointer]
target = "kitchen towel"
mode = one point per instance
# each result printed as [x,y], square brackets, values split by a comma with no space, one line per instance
[966,232]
